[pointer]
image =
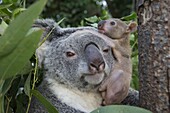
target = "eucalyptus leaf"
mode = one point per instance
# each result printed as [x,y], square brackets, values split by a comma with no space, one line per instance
[94,25]
[5,6]
[47,104]
[3,27]
[92,19]
[20,107]
[17,11]
[26,69]
[19,27]
[6,85]
[16,47]
[27,85]
[3,14]
[7,11]
[59,22]
[21,101]
[120,109]
[132,16]
[1,103]
[132,37]
[11,64]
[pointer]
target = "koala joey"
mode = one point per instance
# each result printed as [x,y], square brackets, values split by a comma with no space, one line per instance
[116,86]
[119,31]
[75,61]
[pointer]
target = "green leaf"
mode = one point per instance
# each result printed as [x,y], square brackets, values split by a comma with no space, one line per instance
[11,64]
[27,85]
[120,109]
[20,107]
[132,37]
[7,11]
[1,86]
[21,101]
[18,28]
[47,104]
[6,85]
[94,25]
[1,104]
[132,16]
[5,6]
[59,22]
[92,19]
[26,69]
[3,27]
[17,11]
[16,49]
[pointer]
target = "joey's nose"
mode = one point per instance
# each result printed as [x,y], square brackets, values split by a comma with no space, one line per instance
[94,58]
[101,24]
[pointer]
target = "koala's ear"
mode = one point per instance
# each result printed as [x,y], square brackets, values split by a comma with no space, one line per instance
[44,24]
[132,27]
[48,26]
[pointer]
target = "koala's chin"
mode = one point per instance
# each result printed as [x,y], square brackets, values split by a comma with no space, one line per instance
[94,79]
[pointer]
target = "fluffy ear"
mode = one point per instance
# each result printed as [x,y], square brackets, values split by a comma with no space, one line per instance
[49,27]
[132,27]
[44,24]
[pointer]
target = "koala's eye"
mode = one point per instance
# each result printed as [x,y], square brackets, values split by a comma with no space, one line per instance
[70,54]
[112,23]
[106,50]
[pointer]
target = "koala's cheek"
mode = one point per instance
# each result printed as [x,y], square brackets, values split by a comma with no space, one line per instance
[83,68]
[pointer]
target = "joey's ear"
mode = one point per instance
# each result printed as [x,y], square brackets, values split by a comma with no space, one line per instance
[132,27]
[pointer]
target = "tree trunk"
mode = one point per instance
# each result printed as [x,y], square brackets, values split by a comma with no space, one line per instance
[154,54]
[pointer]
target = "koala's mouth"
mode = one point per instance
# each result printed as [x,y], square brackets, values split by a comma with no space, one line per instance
[94,79]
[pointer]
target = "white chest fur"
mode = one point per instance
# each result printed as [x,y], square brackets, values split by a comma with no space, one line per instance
[83,101]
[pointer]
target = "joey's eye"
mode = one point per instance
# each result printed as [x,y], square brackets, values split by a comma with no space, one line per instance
[70,54]
[112,23]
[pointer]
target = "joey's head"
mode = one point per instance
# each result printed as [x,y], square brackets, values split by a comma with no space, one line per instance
[82,60]
[115,28]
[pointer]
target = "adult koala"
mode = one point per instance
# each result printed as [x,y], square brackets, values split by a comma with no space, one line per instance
[75,61]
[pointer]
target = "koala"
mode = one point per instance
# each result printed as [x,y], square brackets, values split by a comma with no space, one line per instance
[75,61]
[115,88]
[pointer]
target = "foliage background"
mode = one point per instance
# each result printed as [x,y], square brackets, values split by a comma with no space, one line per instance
[75,13]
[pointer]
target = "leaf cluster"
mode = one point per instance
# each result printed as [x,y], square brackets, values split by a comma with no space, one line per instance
[18,44]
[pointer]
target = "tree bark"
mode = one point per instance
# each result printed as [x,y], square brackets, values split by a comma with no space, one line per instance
[154,54]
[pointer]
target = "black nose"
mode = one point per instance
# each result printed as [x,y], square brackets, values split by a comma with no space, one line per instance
[94,58]
[98,67]
[101,24]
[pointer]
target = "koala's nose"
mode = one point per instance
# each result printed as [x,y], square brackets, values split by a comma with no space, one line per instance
[99,66]
[101,24]
[94,58]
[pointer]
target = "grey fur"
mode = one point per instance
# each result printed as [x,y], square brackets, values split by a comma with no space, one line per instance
[67,71]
